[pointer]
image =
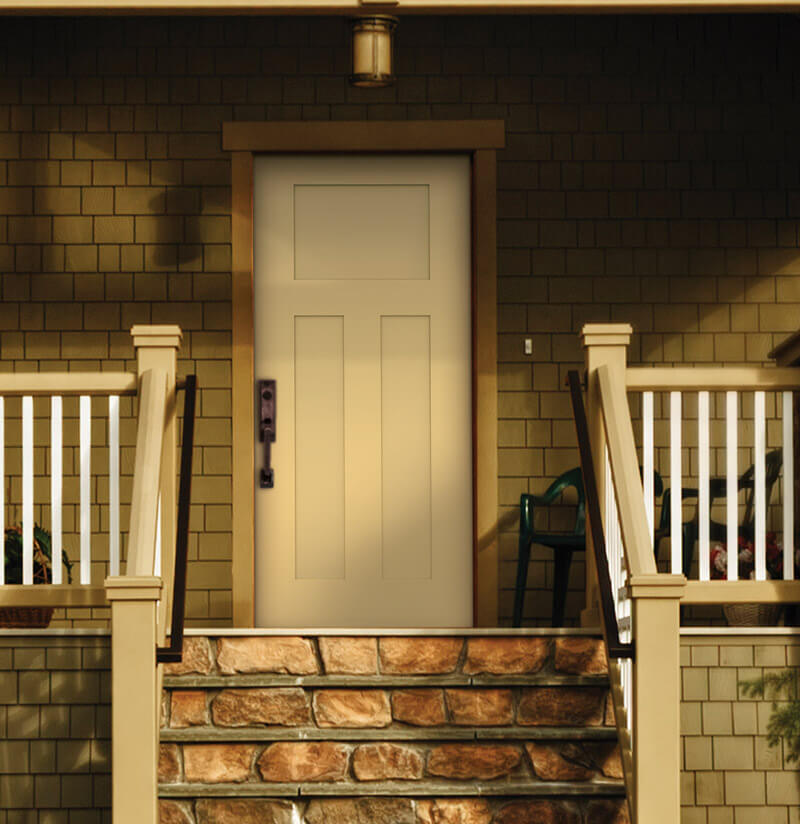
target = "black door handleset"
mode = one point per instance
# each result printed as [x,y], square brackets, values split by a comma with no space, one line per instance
[266,430]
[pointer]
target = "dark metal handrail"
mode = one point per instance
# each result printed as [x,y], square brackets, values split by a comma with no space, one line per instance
[174,652]
[616,648]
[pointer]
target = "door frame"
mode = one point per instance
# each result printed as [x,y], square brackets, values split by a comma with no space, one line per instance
[478,138]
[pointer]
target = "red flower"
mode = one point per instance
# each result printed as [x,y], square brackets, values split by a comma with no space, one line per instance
[718,559]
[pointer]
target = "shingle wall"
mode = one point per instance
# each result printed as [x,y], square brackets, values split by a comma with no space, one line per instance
[730,773]
[55,729]
[650,176]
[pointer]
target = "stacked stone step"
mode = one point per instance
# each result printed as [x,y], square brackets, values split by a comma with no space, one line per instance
[390,730]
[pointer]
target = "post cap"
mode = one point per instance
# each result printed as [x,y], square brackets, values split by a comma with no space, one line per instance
[165,335]
[133,588]
[657,585]
[606,334]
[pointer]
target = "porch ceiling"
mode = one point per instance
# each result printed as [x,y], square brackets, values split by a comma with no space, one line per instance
[403,6]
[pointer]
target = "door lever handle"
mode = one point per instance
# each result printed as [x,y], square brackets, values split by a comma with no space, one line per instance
[266,430]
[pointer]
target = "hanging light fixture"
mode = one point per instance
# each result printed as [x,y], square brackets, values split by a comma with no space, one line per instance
[373,48]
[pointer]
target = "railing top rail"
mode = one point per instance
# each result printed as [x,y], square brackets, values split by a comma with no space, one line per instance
[742,592]
[68,383]
[147,473]
[637,540]
[714,378]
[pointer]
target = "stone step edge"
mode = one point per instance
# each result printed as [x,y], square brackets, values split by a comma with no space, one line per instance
[427,734]
[380,681]
[407,789]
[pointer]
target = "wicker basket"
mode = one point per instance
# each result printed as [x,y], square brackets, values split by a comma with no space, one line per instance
[25,617]
[752,615]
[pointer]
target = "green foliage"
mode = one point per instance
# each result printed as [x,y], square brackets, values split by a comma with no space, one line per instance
[42,556]
[784,722]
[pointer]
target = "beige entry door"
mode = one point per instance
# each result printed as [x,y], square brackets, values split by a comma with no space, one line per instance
[362,316]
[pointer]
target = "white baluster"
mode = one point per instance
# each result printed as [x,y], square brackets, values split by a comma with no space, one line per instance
[628,669]
[157,561]
[607,521]
[788,487]
[630,701]
[56,474]
[731,472]
[113,485]
[27,490]
[703,484]
[647,448]
[620,602]
[676,504]
[760,481]
[86,487]
[614,550]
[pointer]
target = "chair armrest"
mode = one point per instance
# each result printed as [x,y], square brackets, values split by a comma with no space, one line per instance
[666,503]
[718,487]
[527,502]
[525,512]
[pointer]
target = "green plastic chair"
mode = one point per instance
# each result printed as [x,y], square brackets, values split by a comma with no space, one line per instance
[718,490]
[563,544]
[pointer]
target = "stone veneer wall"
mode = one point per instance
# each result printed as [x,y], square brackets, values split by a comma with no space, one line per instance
[54,732]
[651,175]
[55,748]
[390,730]
[730,775]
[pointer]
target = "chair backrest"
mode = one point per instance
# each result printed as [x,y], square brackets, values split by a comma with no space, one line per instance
[571,478]
[773,461]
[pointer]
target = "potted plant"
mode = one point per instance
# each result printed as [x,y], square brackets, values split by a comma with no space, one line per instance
[751,614]
[29,617]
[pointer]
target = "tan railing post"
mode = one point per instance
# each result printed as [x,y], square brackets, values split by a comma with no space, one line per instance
[156,348]
[135,704]
[656,698]
[606,345]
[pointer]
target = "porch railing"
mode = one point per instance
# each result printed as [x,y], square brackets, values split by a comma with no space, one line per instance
[25,400]
[140,597]
[702,427]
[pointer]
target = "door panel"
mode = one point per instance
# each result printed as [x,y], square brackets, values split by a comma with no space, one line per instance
[362,315]
[319,442]
[406,447]
[390,222]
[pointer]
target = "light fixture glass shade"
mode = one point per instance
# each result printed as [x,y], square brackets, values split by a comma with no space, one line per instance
[372,50]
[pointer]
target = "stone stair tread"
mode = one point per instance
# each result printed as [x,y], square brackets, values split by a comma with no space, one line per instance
[383,718]
[471,733]
[510,788]
[380,681]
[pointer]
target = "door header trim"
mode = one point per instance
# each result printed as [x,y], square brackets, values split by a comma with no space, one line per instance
[365,136]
